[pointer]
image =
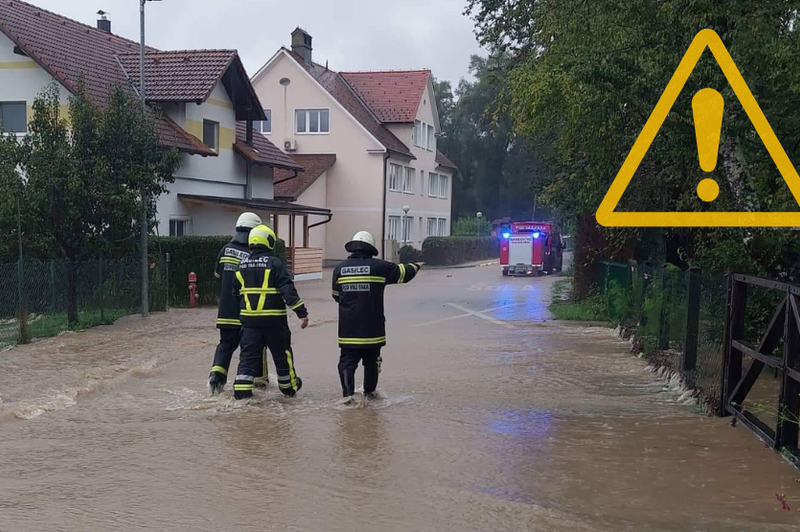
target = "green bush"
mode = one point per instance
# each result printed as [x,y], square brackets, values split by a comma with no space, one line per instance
[410,254]
[471,227]
[449,250]
[196,254]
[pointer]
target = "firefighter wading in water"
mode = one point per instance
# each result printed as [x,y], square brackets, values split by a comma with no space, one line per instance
[230,328]
[358,285]
[265,289]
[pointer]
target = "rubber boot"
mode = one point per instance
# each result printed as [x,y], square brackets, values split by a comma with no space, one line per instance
[216,382]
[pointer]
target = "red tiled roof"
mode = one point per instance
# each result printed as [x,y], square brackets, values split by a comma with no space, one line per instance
[313,167]
[444,162]
[262,151]
[75,53]
[392,96]
[341,91]
[182,75]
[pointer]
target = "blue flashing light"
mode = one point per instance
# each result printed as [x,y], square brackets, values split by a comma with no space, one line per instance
[537,234]
[506,235]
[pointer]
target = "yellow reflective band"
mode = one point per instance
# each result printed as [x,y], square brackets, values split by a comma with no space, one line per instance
[259,291]
[292,375]
[361,279]
[243,287]
[219,369]
[336,293]
[366,341]
[415,266]
[243,387]
[296,305]
[229,260]
[227,321]
[401,266]
[264,287]
[270,312]
[216,275]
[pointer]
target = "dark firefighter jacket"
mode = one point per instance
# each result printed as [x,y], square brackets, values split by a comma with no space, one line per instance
[228,261]
[265,289]
[358,285]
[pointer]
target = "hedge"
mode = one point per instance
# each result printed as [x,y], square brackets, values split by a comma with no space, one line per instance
[196,254]
[450,250]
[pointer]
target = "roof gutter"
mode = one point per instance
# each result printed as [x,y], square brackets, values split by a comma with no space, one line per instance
[330,217]
[279,181]
[383,217]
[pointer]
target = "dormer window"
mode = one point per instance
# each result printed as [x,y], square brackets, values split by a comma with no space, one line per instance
[211,134]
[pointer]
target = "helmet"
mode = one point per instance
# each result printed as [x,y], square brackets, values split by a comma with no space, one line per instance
[362,241]
[248,220]
[262,235]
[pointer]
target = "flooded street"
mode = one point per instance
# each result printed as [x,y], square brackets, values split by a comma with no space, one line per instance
[493,418]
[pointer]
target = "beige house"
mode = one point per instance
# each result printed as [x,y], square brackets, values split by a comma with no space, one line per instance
[367,142]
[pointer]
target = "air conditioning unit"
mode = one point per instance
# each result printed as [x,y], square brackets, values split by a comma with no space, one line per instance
[290,145]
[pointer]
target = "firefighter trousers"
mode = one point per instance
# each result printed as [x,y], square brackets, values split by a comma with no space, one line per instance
[348,363]
[278,339]
[229,340]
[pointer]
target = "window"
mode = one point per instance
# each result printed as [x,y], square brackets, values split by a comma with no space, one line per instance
[415,133]
[431,137]
[312,121]
[432,227]
[408,182]
[14,117]
[443,186]
[394,228]
[408,227]
[211,134]
[442,227]
[263,126]
[395,177]
[433,185]
[178,227]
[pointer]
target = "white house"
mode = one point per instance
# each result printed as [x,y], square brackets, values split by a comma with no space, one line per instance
[208,107]
[369,139]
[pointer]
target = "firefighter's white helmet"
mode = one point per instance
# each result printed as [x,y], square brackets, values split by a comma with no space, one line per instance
[248,220]
[360,238]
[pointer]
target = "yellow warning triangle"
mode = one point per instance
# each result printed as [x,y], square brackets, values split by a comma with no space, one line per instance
[605,213]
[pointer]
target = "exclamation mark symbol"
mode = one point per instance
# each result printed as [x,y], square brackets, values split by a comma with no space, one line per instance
[707,107]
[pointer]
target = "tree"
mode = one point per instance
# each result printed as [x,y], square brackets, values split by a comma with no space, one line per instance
[80,177]
[586,76]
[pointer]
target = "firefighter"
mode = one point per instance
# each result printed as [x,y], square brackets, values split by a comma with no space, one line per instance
[265,290]
[358,285]
[228,322]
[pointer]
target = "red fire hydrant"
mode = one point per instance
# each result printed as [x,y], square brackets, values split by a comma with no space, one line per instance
[193,290]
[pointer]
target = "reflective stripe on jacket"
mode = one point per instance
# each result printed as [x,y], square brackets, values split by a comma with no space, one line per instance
[228,260]
[358,286]
[265,289]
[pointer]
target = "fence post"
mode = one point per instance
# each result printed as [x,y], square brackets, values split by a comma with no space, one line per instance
[24,334]
[102,293]
[663,321]
[693,282]
[167,273]
[53,285]
[734,330]
[789,405]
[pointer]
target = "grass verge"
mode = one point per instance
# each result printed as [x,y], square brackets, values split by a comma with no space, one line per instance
[563,307]
[47,325]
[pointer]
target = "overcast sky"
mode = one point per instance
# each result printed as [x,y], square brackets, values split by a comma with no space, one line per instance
[350,34]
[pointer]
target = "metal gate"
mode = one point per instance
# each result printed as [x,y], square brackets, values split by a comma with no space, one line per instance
[783,331]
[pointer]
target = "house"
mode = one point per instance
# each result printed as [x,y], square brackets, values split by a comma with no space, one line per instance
[206,109]
[369,141]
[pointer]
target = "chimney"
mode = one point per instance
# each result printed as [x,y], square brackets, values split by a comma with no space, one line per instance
[301,44]
[103,24]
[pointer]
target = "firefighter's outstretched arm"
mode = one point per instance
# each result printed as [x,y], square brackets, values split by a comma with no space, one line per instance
[283,282]
[401,273]
[335,287]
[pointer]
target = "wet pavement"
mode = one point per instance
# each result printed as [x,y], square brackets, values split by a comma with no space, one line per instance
[493,418]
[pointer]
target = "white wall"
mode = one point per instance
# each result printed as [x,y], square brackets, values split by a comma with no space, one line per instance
[353,185]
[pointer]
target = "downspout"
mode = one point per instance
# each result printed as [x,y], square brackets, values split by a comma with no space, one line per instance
[330,217]
[383,220]
[248,190]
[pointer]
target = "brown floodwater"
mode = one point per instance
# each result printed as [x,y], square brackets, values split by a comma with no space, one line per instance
[493,418]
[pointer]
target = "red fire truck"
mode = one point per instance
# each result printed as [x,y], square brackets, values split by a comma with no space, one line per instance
[530,248]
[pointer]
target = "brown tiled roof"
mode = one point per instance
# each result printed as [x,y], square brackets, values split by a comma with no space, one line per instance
[393,96]
[262,151]
[444,162]
[182,75]
[313,167]
[336,85]
[75,53]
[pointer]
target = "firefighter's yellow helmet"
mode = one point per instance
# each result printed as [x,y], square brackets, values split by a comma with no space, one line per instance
[262,235]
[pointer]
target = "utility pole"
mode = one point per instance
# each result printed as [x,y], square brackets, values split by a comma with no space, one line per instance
[144,238]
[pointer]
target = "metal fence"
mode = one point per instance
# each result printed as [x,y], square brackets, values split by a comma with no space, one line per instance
[678,317]
[35,297]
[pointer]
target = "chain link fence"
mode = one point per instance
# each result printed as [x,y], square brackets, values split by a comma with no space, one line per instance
[676,316]
[37,298]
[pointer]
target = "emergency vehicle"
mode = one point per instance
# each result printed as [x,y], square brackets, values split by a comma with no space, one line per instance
[530,248]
